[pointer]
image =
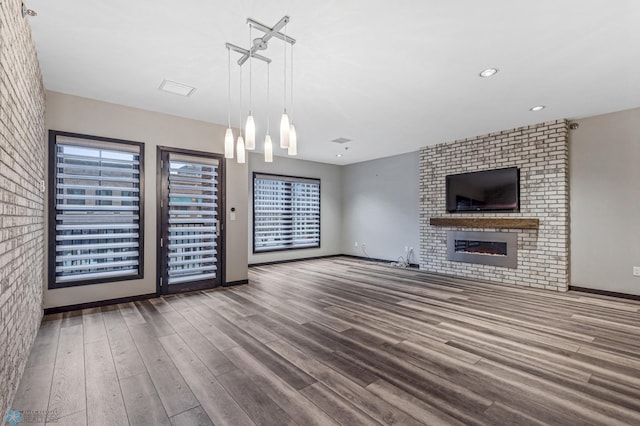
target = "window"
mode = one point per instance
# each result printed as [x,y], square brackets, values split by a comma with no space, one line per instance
[96,206]
[106,198]
[75,200]
[286,213]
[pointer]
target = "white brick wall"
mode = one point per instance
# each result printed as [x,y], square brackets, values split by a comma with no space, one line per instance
[22,163]
[541,152]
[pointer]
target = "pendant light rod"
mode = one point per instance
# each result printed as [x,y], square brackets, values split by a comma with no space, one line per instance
[229,87]
[250,132]
[284,86]
[240,147]
[293,136]
[268,95]
[291,83]
[284,121]
[240,99]
[268,143]
[228,137]
[250,67]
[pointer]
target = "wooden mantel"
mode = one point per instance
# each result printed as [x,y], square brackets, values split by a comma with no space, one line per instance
[486,222]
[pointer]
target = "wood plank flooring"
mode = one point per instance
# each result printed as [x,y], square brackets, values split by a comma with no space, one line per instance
[342,341]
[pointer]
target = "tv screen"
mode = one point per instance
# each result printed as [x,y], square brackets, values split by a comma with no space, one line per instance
[488,190]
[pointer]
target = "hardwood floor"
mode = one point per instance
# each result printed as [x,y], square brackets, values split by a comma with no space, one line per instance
[342,341]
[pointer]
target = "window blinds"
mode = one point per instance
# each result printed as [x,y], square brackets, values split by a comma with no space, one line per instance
[97,210]
[193,221]
[286,213]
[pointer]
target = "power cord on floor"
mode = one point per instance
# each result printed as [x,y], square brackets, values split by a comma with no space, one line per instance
[402,262]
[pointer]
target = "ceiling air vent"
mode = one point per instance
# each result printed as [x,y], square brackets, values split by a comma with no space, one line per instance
[176,88]
[341,140]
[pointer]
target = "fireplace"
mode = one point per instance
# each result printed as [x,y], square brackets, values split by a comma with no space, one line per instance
[485,248]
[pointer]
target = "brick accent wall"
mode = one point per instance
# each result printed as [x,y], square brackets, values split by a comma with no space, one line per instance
[541,151]
[22,165]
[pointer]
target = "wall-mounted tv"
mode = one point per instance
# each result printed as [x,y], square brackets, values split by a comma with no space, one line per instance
[487,190]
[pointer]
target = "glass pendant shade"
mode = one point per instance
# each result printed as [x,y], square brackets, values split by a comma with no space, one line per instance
[240,149]
[250,133]
[293,141]
[284,131]
[228,144]
[268,149]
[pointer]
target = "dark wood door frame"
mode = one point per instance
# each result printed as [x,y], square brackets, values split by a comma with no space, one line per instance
[162,191]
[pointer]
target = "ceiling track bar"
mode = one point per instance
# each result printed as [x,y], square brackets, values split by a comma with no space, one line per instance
[273,32]
[261,42]
[245,54]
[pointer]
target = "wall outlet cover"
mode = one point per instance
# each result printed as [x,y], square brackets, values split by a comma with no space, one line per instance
[636,271]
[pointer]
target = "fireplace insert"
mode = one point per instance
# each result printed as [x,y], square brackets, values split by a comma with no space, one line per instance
[484,248]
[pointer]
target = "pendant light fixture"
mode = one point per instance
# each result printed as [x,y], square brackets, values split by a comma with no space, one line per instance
[228,144]
[268,145]
[268,149]
[293,141]
[287,129]
[284,130]
[228,137]
[240,143]
[240,149]
[250,132]
[250,129]
[293,137]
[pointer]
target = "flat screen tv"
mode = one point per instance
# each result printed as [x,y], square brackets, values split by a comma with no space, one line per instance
[488,190]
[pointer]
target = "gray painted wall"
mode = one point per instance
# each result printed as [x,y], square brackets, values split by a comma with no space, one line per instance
[330,204]
[376,202]
[380,207]
[604,181]
[91,117]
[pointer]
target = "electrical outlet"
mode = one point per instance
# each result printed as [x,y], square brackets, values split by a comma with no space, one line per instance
[636,271]
[406,249]
[355,244]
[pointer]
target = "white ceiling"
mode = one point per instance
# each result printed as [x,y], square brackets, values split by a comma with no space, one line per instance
[392,76]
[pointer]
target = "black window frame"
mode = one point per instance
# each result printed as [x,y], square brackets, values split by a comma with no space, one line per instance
[291,179]
[51,209]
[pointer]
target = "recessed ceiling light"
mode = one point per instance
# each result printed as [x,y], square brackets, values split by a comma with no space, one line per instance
[537,108]
[338,155]
[176,88]
[488,72]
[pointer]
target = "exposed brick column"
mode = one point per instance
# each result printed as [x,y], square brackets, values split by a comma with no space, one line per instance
[541,151]
[22,201]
